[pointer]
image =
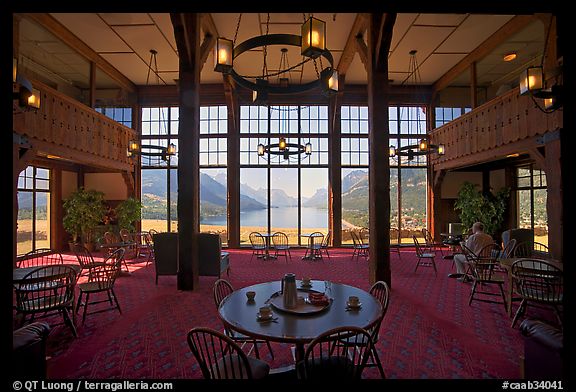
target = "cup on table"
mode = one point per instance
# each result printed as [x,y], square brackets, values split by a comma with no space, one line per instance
[353,300]
[250,295]
[306,281]
[265,312]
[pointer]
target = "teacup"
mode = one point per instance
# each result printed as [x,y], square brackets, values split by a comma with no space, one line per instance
[265,312]
[250,295]
[306,281]
[353,300]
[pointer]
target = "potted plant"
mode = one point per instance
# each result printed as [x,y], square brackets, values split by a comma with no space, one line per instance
[487,208]
[83,211]
[128,212]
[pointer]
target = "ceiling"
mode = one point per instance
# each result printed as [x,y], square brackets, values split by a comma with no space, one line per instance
[125,41]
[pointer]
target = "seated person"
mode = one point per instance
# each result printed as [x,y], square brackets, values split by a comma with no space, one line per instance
[475,243]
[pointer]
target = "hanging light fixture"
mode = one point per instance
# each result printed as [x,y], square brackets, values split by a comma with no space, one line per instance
[149,150]
[533,83]
[27,96]
[424,147]
[312,44]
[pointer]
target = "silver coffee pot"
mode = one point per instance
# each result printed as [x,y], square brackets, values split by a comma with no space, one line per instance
[289,292]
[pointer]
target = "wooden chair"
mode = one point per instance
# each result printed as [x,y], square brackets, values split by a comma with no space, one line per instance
[219,357]
[360,249]
[258,244]
[280,242]
[102,280]
[339,353]
[425,255]
[39,257]
[531,249]
[326,243]
[85,259]
[50,291]
[222,288]
[483,268]
[381,291]
[314,246]
[508,250]
[539,283]
[430,241]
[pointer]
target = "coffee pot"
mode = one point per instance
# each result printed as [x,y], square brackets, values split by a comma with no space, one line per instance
[289,292]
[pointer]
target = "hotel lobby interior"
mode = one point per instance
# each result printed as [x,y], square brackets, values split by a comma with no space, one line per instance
[166,164]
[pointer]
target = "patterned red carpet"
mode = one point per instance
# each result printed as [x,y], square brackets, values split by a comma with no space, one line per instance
[428,332]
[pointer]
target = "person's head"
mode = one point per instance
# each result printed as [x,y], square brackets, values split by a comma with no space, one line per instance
[478,227]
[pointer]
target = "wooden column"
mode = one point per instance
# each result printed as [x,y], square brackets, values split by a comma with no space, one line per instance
[187,34]
[56,210]
[233,169]
[436,216]
[554,204]
[473,86]
[335,169]
[21,158]
[92,92]
[380,28]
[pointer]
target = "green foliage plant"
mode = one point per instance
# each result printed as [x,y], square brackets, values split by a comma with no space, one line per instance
[84,210]
[487,208]
[128,212]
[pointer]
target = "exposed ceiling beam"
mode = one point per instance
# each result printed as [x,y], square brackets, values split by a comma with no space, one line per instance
[358,28]
[383,40]
[182,41]
[362,50]
[513,26]
[53,26]
[210,35]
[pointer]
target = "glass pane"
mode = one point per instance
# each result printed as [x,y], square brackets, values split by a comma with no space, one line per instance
[394,231]
[213,202]
[284,202]
[413,194]
[25,216]
[540,216]
[355,212]
[253,202]
[524,209]
[314,201]
[154,200]
[42,229]
[173,200]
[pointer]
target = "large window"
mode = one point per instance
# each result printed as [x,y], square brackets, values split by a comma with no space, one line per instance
[445,115]
[122,115]
[531,201]
[33,210]
[277,194]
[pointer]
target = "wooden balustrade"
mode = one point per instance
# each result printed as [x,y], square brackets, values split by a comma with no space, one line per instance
[69,129]
[509,123]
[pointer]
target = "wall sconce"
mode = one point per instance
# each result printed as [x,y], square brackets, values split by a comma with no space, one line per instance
[27,96]
[532,83]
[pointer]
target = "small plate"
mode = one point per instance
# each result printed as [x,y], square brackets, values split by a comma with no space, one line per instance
[305,285]
[261,318]
[357,306]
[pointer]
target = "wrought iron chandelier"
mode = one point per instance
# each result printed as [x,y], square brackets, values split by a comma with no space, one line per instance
[312,44]
[424,147]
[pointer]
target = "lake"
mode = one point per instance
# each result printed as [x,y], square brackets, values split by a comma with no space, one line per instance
[281,217]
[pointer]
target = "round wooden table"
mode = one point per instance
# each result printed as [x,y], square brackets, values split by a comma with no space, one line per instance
[239,314]
[18,274]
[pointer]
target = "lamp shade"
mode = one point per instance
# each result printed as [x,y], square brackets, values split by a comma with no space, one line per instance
[313,37]
[308,148]
[441,149]
[282,144]
[261,149]
[392,151]
[34,99]
[333,82]
[171,149]
[423,145]
[531,80]
[223,55]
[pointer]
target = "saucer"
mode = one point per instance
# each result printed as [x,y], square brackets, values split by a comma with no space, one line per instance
[357,306]
[306,284]
[263,318]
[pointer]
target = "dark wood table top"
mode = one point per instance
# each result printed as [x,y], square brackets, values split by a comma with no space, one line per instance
[240,314]
[507,263]
[18,274]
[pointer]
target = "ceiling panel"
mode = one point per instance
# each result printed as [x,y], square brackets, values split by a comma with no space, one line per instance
[164,23]
[440,19]
[143,38]
[126,18]
[356,73]
[472,32]
[399,61]
[93,31]
[130,65]
[436,65]
[401,26]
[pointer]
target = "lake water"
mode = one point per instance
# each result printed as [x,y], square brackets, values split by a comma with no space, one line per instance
[281,217]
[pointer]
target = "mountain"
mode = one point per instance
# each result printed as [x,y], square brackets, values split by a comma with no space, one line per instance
[352,178]
[221,178]
[318,199]
[259,194]
[279,198]
[212,191]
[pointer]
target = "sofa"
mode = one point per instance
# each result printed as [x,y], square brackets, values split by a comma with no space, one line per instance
[28,359]
[543,350]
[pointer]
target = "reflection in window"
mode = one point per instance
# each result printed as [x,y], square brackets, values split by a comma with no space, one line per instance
[33,210]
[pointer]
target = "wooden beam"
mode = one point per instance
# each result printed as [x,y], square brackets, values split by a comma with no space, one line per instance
[513,26]
[233,167]
[187,34]
[210,35]
[380,27]
[362,50]
[66,36]
[358,27]
[473,86]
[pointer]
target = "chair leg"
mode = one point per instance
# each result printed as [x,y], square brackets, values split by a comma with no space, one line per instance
[270,349]
[472,292]
[503,297]
[417,264]
[256,351]
[116,300]
[434,265]
[85,308]
[519,312]
[79,302]
[376,359]
[68,321]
